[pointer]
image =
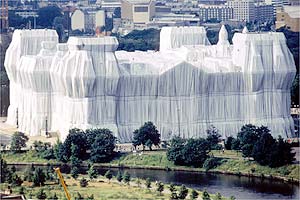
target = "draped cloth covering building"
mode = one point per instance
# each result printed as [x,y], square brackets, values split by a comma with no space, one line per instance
[183,89]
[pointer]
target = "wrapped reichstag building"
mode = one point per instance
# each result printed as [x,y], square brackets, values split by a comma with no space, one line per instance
[183,88]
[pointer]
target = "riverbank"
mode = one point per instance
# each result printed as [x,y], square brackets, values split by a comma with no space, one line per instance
[232,163]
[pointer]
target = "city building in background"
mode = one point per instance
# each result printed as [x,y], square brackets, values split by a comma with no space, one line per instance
[243,10]
[87,20]
[289,17]
[216,12]
[137,11]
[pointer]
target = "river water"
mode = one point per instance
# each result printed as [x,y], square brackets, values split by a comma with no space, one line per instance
[227,185]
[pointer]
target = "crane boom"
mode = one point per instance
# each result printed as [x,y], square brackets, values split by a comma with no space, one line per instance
[62,181]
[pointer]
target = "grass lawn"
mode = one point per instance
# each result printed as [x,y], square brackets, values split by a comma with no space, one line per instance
[100,188]
[233,162]
[29,156]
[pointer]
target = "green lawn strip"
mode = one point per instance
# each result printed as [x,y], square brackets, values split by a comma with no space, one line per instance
[235,163]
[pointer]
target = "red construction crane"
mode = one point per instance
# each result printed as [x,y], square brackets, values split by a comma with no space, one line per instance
[4,15]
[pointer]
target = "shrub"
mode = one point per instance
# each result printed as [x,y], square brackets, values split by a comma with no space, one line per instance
[126,178]
[41,194]
[75,172]
[191,152]
[211,163]
[194,194]
[108,175]
[119,176]
[16,180]
[183,192]
[205,195]
[83,182]
[148,183]
[160,187]
[39,177]
[92,172]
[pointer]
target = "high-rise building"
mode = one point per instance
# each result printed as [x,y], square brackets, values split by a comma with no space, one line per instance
[264,12]
[243,10]
[217,12]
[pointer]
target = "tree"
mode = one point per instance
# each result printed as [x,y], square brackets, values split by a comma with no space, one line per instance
[146,135]
[16,180]
[102,149]
[75,159]
[148,183]
[173,192]
[83,182]
[160,187]
[78,139]
[263,147]
[41,194]
[195,152]
[247,138]
[235,144]
[126,178]
[194,194]
[13,169]
[228,143]
[108,175]
[29,173]
[6,173]
[174,152]
[46,16]
[183,192]
[18,141]
[281,154]
[75,172]
[213,138]
[92,172]
[119,177]
[39,177]
[59,150]
[205,195]
[191,152]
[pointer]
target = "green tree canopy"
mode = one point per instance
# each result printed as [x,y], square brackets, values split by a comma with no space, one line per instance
[102,148]
[18,141]
[146,135]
